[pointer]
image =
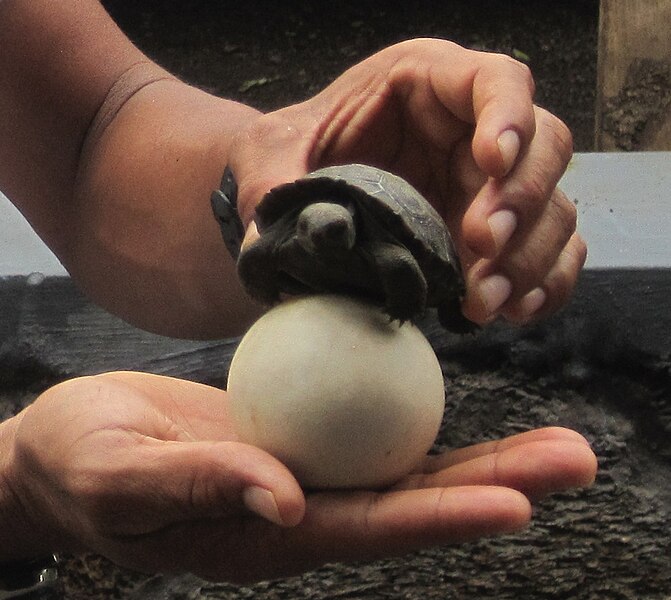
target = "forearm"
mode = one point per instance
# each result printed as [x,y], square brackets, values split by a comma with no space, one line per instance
[113,160]
[147,245]
[58,61]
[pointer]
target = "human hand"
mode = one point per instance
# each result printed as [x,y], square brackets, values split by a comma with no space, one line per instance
[461,126]
[460,496]
[147,471]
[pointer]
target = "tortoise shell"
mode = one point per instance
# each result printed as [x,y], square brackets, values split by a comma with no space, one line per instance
[391,221]
[389,199]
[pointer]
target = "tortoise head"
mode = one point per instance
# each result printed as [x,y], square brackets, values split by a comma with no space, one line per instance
[326,228]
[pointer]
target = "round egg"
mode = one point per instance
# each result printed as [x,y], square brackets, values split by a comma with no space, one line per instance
[338,393]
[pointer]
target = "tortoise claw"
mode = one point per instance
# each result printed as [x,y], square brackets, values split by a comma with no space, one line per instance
[401,322]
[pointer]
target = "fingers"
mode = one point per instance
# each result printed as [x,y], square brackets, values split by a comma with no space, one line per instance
[155,514]
[136,453]
[525,192]
[194,478]
[536,463]
[518,286]
[163,483]
[522,255]
[338,527]
[521,233]
[435,463]
[369,524]
[536,469]
[503,91]
[412,108]
[346,527]
[530,280]
[556,288]
[217,477]
[426,90]
[492,91]
[353,526]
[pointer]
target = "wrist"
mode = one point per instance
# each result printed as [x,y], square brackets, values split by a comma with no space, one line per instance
[19,538]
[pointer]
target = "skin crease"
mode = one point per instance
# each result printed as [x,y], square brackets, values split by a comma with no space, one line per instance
[112,160]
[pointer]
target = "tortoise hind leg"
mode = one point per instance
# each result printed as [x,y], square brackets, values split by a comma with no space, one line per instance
[452,319]
[403,284]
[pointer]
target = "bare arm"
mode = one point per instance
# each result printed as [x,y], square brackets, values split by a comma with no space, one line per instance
[112,160]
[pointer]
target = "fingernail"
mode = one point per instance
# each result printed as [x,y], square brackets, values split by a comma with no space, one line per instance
[509,147]
[262,502]
[502,225]
[532,302]
[494,291]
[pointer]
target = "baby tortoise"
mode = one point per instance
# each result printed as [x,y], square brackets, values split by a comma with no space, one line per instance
[349,229]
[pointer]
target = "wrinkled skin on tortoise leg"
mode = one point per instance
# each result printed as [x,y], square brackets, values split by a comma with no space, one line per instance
[402,280]
[330,270]
[258,271]
[452,319]
[384,273]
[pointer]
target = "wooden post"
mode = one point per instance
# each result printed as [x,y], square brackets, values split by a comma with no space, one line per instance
[633,109]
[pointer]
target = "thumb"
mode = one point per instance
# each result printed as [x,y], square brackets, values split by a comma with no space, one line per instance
[182,481]
[275,149]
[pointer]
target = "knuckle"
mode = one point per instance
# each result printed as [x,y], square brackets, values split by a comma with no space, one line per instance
[561,281]
[574,255]
[530,193]
[580,251]
[526,75]
[564,141]
[525,270]
[560,134]
[521,70]
[566,213]
[559,288]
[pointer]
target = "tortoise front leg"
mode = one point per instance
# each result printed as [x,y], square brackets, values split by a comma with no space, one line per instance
[258,270]
[403,284]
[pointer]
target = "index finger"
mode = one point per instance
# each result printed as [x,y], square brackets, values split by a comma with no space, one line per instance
[495,92]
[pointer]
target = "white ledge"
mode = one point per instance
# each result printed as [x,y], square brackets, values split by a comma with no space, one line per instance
[621,305]
[22,252]
[623,201]
[624,208]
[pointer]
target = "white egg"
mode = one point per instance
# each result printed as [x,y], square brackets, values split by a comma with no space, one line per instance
[340,395]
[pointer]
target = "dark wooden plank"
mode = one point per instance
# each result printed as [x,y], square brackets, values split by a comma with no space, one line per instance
[633,109]
[51,328]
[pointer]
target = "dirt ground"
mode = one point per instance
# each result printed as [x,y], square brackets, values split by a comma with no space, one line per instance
[269,54]
[609,542]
